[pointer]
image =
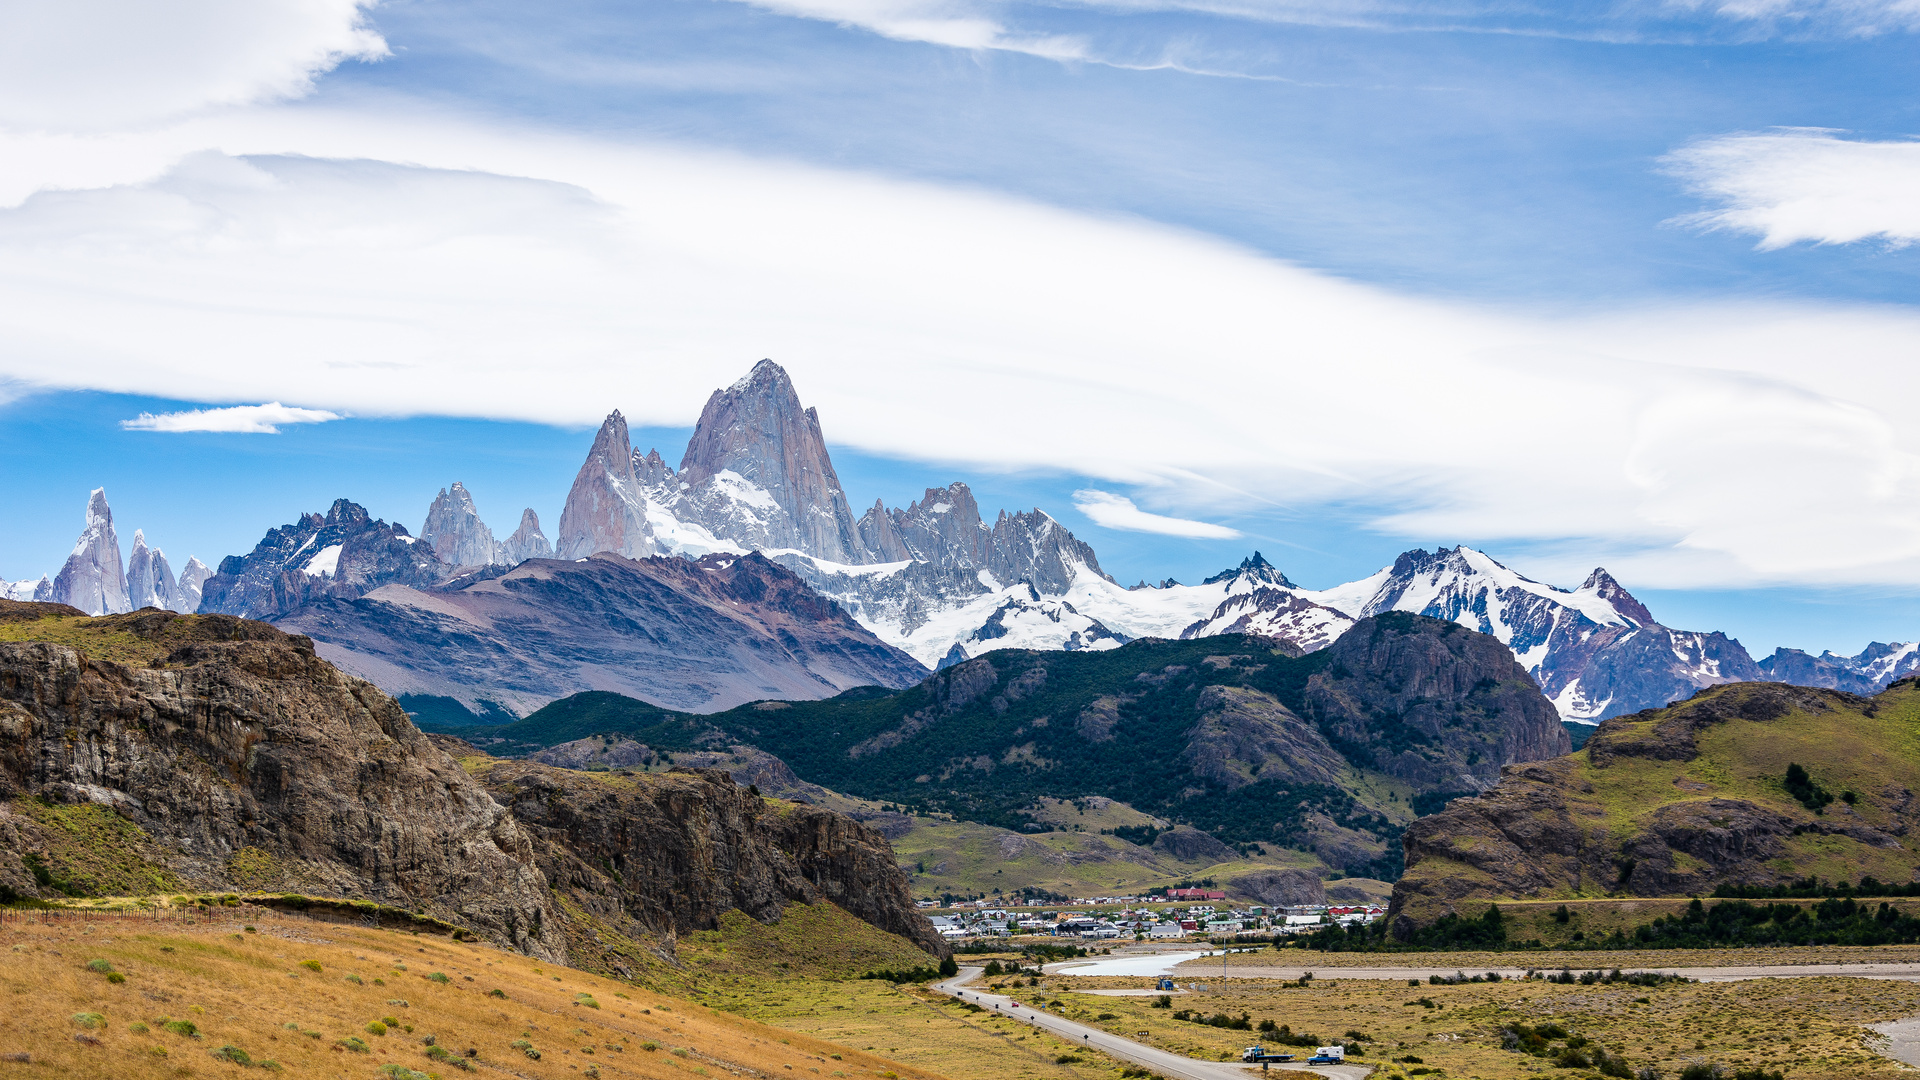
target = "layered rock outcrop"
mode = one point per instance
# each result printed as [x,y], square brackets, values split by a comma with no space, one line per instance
[242,755]
[217,753]
[667,854]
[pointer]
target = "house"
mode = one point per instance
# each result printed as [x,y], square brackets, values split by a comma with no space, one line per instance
[1166,930]
[1195,894]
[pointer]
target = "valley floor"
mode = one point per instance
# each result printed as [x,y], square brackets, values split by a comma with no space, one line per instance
[1779,1009]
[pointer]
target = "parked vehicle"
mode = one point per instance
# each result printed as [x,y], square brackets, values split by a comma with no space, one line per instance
[1260,1053]
[1328,1055]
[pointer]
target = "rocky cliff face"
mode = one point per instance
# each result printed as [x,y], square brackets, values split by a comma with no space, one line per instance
[527,541]
[688,634]
[606,508]
[1425,701]
[192,584]
[93,579]
[248,762]
[667,854]
[1682,800]
[149,579]
[756,472]
[455,533]
[343,555]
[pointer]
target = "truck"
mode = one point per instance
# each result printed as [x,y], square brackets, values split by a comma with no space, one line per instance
[1328,1055]
[1260,1054]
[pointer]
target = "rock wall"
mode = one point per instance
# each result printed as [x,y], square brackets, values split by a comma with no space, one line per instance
[667,854]
[250,762]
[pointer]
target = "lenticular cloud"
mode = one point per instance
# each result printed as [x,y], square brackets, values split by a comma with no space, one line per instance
[87,65]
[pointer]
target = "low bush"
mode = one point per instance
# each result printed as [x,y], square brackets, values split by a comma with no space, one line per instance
[180,1027]
[376,1028]
[99,966]
[233,1054]
[437,976]
[89,1019]
[310,965]
[353,1045]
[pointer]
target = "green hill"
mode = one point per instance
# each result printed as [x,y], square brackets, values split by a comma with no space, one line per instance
[1329,753]
[1756,785]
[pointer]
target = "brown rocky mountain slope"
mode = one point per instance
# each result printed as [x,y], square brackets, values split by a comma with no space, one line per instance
[153,753]
[688,634]
[1683,800]
[646,857]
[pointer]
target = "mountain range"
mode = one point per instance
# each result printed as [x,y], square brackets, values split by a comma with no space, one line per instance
[935,580]
[95,580]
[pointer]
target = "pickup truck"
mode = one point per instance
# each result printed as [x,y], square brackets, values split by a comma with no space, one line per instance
[1259,1053]
[1328,1055]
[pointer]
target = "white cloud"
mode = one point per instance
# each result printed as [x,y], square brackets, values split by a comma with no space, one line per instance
[1118,512]
[532,277]
[237,419]
[959,24]
[1805,185]
[84,65]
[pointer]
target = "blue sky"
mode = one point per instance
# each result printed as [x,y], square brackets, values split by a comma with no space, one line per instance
[1622,284]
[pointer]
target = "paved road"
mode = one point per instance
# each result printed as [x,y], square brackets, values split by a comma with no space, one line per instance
[1208,971]
[1160,1061]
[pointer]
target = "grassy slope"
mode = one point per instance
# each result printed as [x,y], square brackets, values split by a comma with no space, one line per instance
[1844,749]
[1869,751]
[244,989]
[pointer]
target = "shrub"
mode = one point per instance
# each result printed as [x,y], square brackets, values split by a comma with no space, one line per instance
[585,1000]
[89,1019]
[355,980]
[232,1053]
[376,1028]
[353,1045]
[310,965]
[401,1072]
[180,1027]
[390,1021]
[137,1028]
[526,1048]
[1068,1059]
[679,1051]
[497,992]
[100,966]
[1700,1070]
[650,1046]
[437,976]
[116,978]
[1164,1001]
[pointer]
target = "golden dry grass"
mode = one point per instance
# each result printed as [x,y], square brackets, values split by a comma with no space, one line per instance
[255,991]
[1578,960]
[1809,1028]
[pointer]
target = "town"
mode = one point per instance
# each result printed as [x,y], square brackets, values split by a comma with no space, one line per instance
[1178,914]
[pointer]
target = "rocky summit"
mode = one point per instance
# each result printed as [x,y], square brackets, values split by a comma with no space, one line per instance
[1686,799]
[345,553]
[690,634]
[156,752]
[94,579]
